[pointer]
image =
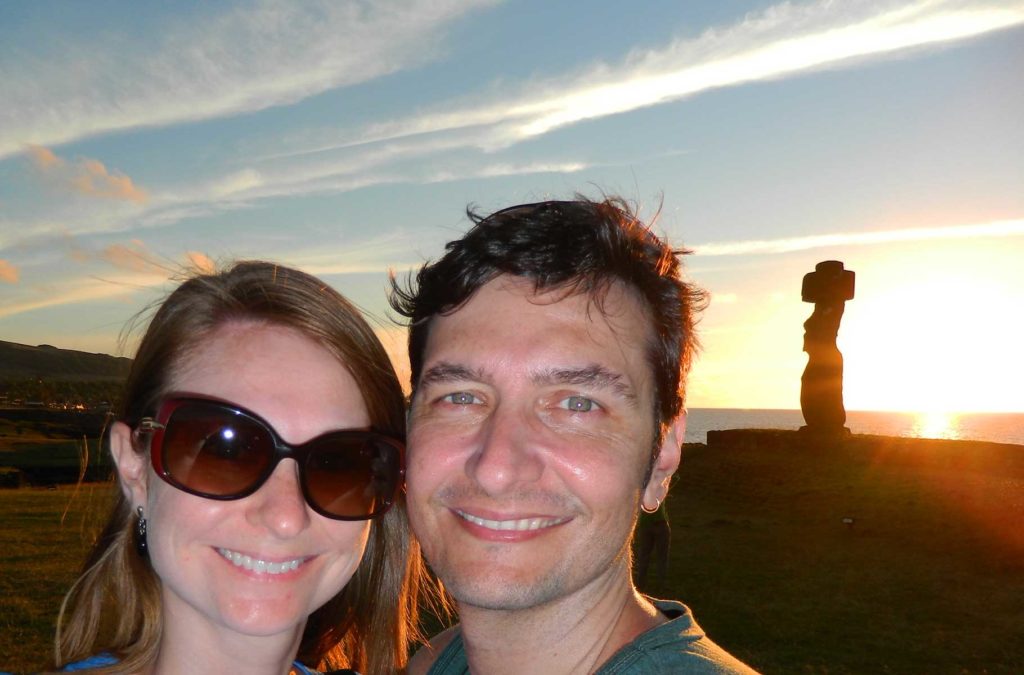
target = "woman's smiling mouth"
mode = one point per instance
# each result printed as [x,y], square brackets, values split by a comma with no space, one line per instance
[260,566]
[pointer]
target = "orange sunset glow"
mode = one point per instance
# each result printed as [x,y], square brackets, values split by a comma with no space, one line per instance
[935,327]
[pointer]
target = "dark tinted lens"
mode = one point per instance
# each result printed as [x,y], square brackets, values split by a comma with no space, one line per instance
[351,474]
[214,450]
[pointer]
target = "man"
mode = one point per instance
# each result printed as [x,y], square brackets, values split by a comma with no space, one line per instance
[548,348]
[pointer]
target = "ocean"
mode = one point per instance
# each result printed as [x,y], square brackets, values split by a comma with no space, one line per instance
[995,427]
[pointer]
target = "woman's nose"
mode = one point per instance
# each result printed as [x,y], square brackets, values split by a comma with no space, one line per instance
[279,504]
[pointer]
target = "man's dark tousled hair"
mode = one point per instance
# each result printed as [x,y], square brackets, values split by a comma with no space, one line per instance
[579,246]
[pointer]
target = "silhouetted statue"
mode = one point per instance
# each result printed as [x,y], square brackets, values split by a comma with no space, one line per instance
[829,286]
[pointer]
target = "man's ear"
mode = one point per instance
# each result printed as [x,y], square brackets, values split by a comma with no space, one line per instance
[131,465]
[665,465]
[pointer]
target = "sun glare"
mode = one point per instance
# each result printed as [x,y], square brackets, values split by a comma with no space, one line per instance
[936,425]
[935,346]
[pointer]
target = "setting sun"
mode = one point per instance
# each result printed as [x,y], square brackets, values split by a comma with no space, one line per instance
[934,338]
[935,327]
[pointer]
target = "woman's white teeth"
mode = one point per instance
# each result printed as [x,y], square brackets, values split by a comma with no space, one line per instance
[259,566]
[521,524]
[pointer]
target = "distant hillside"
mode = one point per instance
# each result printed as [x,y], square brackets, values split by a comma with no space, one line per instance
[20,362]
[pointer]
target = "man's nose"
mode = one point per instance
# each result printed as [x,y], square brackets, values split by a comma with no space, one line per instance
[505,457]
[279,504]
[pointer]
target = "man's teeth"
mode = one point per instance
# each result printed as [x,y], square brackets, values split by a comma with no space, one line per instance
[521,524]
[259,566]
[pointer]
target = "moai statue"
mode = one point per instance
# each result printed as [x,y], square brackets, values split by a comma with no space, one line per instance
[829,286]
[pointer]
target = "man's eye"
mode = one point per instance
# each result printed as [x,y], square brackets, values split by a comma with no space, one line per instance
[577,404]
[461,398]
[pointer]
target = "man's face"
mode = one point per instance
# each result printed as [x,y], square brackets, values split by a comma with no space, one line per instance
[531,430]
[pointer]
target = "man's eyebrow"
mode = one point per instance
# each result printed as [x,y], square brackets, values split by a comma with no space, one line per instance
[591,376]
[448,372]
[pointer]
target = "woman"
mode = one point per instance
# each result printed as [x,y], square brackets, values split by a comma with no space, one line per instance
[252,526]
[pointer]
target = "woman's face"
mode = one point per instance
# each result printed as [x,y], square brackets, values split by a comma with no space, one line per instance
[302,391]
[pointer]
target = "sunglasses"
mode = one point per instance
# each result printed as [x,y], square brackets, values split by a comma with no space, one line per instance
[218,450]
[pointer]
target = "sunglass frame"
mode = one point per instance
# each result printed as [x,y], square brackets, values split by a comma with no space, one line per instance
[152,430]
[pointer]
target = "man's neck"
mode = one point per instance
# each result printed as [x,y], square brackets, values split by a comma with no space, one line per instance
[574,634]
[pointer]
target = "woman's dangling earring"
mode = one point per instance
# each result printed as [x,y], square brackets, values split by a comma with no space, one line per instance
[140,534]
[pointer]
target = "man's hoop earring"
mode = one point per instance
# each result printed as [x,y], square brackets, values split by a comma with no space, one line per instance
[140,534]
[657,505]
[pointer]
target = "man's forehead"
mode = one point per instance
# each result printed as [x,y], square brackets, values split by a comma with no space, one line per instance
[612,309]
[551,335]
[605,300]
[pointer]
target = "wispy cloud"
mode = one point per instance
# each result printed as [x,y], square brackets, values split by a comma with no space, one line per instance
[81,291]
[243,59]
[134,257]
[243,189]
[377,254]
[131,267]
[8,272]
[785,40]
[93,179]
[1000,228]
[44,159]
[788,39]
[84,176]
[200,262]
[343,175]
[501,169]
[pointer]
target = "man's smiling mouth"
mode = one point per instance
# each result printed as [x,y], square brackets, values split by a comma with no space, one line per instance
[515,525]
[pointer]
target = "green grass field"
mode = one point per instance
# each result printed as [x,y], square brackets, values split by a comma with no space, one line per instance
[928,579]
[42,549]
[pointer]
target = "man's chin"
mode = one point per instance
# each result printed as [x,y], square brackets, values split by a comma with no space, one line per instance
[503,594]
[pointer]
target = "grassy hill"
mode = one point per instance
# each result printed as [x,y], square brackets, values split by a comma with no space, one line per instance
[19,362]
[928,578]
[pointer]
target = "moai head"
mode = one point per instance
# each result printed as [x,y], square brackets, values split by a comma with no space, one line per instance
[828,283]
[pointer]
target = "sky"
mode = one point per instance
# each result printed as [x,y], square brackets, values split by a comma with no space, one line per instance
[346,138]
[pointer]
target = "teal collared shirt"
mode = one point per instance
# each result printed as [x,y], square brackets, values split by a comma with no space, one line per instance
[678,646]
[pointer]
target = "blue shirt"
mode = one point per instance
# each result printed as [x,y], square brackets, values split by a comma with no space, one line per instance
[108,660]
